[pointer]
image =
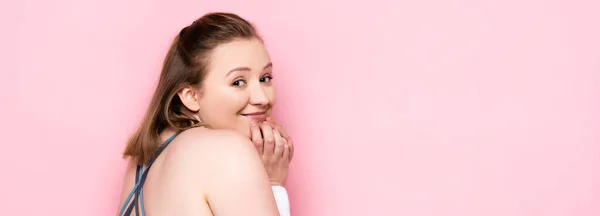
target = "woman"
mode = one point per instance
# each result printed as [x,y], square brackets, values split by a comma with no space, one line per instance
[207,118]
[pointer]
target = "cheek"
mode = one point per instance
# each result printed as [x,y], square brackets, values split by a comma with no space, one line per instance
[272,95]
[221,108]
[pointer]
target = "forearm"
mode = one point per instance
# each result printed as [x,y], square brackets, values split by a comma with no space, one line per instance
[282,200]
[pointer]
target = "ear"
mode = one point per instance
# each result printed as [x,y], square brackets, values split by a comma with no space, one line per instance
[190,98]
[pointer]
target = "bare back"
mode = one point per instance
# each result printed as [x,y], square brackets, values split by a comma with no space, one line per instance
[205,172]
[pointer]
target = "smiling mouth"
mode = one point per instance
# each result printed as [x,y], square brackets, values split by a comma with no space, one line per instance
[256,116]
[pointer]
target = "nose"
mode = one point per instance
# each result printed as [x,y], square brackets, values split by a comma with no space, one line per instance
[258,96]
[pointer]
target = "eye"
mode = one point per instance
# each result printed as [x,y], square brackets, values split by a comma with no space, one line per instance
[239,82]
[266,78]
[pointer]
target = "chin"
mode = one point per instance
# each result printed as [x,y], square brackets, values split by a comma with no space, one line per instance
[245,131]
[244,127]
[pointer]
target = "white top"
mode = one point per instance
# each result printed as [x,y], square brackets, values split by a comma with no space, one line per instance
[282,199]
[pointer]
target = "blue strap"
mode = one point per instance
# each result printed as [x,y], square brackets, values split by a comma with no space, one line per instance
[141,193]
[139,184]
[135,200]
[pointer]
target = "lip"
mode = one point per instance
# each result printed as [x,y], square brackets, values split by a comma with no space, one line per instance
[257,116]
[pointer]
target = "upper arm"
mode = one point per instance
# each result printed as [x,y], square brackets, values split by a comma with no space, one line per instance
[239,185]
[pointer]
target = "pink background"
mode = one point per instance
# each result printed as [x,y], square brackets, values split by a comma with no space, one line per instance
[414,108]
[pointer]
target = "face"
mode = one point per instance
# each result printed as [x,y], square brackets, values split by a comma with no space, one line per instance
[237,88]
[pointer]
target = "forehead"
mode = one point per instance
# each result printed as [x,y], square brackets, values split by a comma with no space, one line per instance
[239,53]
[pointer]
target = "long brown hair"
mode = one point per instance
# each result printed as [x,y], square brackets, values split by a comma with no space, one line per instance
[184,65]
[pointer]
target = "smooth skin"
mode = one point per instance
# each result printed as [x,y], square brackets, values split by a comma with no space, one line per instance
[228,170]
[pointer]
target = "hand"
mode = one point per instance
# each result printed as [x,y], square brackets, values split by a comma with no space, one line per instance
[274,150]
[275,125]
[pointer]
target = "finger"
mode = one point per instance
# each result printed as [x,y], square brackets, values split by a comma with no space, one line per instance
[282,131]
[286,152]
[272,120]
[278,127]
[290,143]
[268,139]
[279,143]
[256,137]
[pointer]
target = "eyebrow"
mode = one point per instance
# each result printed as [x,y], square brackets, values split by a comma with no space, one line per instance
[269,65]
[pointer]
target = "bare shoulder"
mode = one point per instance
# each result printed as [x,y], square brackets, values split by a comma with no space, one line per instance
[221,168]
[204,149]
[206,142]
